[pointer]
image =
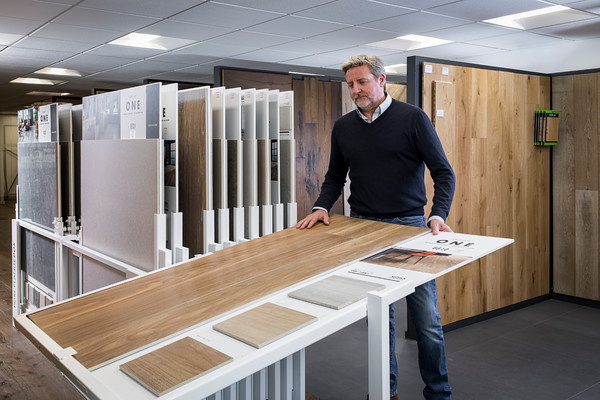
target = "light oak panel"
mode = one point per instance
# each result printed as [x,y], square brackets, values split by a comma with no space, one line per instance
[105,325]
[264,324]
[575,164]
[502,188]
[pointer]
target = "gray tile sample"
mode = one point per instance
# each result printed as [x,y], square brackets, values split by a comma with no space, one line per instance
[335,291]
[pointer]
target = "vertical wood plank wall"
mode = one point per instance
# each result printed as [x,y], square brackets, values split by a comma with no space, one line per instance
[576,181]
[502,185]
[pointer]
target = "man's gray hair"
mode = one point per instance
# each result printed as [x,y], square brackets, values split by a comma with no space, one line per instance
[375,64]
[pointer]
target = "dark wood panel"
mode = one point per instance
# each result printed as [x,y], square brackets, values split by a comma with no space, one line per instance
[317,105]
[193,167]
[255,80]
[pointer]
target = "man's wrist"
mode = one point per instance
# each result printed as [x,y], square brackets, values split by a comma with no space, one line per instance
[320,208]
[434,217]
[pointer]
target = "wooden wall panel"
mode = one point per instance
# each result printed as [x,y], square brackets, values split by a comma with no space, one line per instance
[502,186]
[317,104]
[231,78]
[576,181]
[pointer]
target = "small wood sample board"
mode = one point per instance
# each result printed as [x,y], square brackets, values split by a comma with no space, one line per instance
[335,291]
[173,365]
[264,324]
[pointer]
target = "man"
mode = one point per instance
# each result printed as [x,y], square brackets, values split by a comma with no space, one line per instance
[385,145]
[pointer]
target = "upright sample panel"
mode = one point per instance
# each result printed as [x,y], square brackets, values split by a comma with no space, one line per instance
[263,159]
[235,177]
[120,195]
[278,212]
[250,164]
[65,136]
[39,175]
[220,191]
[195,179]
[77,118]
[287,158]
[38,259]
[170,131]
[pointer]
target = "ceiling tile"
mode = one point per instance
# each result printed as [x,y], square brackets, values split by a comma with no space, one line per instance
[343,54]
[93,36]
[188,59]
[477,10]
[91,63]
[308,46]
[113,50]
[415,23]
[251,39]
[31,9]
[270,55]
[185,30]
[19,64]
[48,56]
[354,12]
[299,27]
[470,31]
[517,40]
[8,38]
[17,26]
[281,6]
[354,36]
[160,9]
[454,51]
[415,4]
[114,21]
[52,44]
[586,5]
[213,50]
[577,30]
[316,61]
[225,15]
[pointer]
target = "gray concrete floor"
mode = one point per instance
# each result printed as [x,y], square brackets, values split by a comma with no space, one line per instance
[547,351]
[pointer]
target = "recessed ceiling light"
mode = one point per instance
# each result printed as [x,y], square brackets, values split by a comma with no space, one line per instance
[410,42]
[38,93]
[36,81]
[58,71]
[541,17]
[396,69]
[147,41]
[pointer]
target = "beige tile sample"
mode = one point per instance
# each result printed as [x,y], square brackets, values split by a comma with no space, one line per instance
[264,324]
[335,291]
[173,365]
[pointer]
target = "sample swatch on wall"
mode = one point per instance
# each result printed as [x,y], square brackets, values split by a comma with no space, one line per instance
[335,291]
[173,365]
[264,324]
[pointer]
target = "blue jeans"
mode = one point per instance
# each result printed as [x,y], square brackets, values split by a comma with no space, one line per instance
[430,337]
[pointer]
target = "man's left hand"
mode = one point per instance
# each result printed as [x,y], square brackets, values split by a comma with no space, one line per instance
[438,226]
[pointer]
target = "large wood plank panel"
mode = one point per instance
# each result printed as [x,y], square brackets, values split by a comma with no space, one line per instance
[502,188]
[255,79]
[193,165]
[576,182]
[105,325]
[317,105]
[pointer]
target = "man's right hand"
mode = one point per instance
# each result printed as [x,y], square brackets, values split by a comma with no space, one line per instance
[311,219]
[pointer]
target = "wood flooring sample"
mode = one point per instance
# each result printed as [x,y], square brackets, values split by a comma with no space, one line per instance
[173,365]
[264,324]
[335,291]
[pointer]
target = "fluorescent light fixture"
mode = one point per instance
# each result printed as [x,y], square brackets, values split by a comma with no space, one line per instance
[304,73]
[148,41]
[36,81]
[38,93]
[58,71]
[541,17]
[409,42]
[396,69]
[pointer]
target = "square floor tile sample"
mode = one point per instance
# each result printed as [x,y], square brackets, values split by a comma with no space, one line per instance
[335,291]
[173,365]
[264,324]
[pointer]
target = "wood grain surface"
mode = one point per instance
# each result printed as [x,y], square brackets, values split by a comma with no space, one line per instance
[335,291]
[107,324]
[173,365]
[193,165]
[502,186]
[576,184]
[264,324]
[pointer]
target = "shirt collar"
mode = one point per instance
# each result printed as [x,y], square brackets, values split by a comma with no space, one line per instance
[378,111]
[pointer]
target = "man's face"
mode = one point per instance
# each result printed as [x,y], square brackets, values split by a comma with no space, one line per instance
[366,89]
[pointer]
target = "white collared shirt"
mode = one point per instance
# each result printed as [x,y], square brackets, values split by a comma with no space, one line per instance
[378,111]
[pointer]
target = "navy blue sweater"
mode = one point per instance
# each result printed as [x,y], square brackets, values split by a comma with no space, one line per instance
[386,160]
